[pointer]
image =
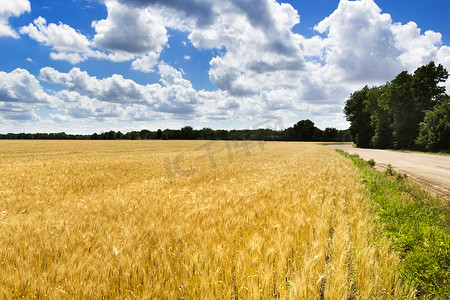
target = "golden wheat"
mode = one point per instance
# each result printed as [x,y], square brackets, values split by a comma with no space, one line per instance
[187,219]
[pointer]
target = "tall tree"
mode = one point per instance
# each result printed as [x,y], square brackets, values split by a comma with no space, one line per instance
[381,119]
[389,116]
[357,113]
[304,130]
[398,100]
[330,134]
[187,133]
[426,86]
[435,128]
[428,93]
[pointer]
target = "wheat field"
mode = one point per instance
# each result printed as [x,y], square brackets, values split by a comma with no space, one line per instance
[187,220]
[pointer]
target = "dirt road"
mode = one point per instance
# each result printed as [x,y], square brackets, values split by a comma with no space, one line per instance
[430,171]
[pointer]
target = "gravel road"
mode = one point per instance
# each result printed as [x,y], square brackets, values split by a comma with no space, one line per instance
[430,171]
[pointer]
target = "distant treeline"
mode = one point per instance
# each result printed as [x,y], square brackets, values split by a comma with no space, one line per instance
[410,112]
[302,131]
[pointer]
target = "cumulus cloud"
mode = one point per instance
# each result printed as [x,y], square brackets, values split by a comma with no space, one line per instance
[258,38]
[253,53]
[70,44]
[21,94]
[358,45]
[17,112]
[146,63]
[176,94]
[443,56]
[86,97]
[260,66]
[78,106]
[61,37]
[118,99]
[11,9]
[201,11]
[417,49]
[114,89]
[364,45]
[21,86]
[127,34]
[360,41]
[129,30]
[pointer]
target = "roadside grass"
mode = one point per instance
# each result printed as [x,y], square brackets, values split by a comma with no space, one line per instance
[417,225]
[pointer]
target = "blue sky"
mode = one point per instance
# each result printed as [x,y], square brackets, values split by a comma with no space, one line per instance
[84,66]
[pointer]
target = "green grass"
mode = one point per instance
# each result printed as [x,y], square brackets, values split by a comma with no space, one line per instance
[417,225]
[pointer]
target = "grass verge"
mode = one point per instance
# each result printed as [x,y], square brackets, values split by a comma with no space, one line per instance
[417,225]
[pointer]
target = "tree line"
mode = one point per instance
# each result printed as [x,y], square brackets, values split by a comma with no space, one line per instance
[304,130]
[410,112]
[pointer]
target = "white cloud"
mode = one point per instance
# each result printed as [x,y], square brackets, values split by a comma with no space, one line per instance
[21,94]
[443,57]
[360,42]
[21,87]
[17,112]
[79,107]
[114,89]
[258,40]
[127,34]
[145,63]
[116,99]
[86,97]
[359,45]
[201,12]
[73,58]
[364,45]
[260,53]
[61,37]
[129,30]
[417,49]
[11,9]
[261,68]
[67,43]
[176,94]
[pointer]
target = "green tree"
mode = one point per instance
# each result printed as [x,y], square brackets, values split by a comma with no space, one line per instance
[110,135]
[381,119]
[207,134]
[304,130]
[159,134]
[428,93]
[398,101]
[389,116]
[358,115]
[330,135]
[145,134]
[426,86]
[435,128]
[408,97]
[187,133]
